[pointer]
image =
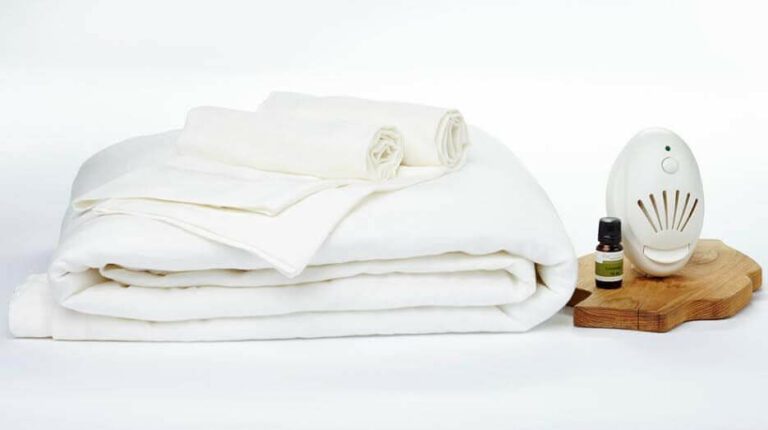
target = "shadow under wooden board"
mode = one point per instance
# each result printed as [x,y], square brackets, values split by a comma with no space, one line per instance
[716,283]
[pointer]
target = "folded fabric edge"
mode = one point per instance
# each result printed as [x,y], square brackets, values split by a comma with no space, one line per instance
[33,313]
[29,309]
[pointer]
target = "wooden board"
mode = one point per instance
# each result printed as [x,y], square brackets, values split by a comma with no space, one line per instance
[716,283]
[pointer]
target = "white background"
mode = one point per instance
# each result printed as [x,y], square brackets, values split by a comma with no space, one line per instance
[563,83]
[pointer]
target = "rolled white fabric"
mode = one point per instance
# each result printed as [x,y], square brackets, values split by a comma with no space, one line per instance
[433,136]
[280,142]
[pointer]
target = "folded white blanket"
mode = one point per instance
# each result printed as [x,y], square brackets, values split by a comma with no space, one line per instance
[480,249]
[433,136]
[282,142]
[263,207]
[282,219]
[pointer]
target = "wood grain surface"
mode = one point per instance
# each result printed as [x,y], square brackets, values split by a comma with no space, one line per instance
[716,283]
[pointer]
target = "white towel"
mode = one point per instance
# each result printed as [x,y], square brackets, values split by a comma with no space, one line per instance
[433,136]
[480,249]
[281,142]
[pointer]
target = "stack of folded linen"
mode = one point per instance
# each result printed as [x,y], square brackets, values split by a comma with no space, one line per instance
[310,217]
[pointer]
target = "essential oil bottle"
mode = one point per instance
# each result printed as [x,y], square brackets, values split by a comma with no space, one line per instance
[609,254]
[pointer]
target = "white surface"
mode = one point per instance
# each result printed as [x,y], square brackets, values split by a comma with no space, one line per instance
[564,84]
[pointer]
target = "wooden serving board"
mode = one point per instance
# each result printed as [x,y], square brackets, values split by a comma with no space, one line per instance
[716,283]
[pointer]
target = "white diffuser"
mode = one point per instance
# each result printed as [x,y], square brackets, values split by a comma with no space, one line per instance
[655,189]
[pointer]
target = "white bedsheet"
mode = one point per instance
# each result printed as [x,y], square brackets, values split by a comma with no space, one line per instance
[478,250]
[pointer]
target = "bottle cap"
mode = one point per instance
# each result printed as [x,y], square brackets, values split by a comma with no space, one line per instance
[609,231]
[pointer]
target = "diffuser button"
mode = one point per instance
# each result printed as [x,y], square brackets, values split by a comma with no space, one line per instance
[669,165]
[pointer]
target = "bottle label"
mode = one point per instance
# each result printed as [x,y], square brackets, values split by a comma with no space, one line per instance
[609,266]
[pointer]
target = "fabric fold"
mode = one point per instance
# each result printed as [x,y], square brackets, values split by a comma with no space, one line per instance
[267,182]
[432,136]
[478,250]
[285,232]
[282,142]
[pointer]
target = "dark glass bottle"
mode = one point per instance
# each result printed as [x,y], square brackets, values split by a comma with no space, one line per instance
[609,254]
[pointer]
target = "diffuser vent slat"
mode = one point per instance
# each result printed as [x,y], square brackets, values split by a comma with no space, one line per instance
[647,215]
[690,215]
[656,209]
[677,201]
[682,213]
[663,219]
